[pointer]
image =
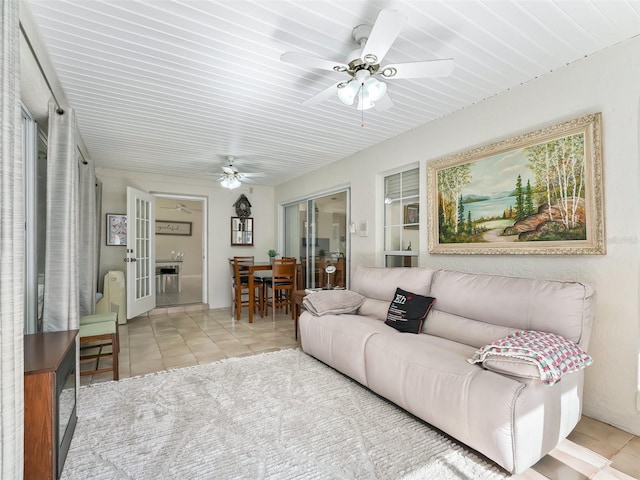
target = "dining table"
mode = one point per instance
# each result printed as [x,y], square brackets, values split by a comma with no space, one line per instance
[257,269]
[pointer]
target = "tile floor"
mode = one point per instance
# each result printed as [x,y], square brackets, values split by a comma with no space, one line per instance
[191,291]
[189,335]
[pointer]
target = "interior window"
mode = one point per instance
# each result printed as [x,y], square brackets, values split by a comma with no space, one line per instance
[402,219]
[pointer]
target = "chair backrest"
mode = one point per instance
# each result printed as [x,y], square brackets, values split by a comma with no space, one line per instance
[284,270]
[241,268]
[300,276]
[339,279]
[232,269]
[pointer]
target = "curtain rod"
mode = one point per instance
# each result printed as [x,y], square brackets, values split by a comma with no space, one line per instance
[82,159]
[59,109]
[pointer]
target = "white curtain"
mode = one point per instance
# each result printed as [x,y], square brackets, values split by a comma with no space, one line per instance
[11,248]
[61,304]
[88,251]
[98,231]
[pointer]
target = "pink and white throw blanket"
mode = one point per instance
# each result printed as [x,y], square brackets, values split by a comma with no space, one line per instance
[552,354]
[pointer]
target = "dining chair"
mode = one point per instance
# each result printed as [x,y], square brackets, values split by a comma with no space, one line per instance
[240,285]
[340,279]
[282,285]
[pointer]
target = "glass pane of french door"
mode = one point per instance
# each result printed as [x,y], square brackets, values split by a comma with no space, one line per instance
[316,233]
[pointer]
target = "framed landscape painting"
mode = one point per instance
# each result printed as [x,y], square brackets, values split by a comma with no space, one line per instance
[538,193]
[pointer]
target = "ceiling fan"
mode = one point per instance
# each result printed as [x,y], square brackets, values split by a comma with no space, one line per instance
[231,176]
[364,67]
[180,207]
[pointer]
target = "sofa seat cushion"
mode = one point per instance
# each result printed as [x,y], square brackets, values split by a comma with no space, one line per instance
[431,378]
[339,340]
[401,367]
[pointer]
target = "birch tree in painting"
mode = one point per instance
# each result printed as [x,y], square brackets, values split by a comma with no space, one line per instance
[450,183]
[559,170]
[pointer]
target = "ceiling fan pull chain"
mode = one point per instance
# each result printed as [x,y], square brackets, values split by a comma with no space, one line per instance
[362,111]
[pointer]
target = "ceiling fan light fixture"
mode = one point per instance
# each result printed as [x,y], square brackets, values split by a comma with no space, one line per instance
[230,182]
[364,101]
[375,88]
[347,93]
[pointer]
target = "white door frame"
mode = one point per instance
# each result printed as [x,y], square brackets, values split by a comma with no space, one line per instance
[205,234]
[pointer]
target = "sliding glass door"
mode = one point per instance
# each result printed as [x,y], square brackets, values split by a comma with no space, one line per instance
[315,232]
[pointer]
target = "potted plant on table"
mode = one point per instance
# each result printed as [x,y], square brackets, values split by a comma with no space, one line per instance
[272,255]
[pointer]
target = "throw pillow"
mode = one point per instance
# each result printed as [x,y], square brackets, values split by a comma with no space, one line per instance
[408,311]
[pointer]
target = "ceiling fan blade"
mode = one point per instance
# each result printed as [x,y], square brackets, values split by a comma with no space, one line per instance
[323,95]
[310,61]
[251,175]
[229,170]
[383,34]
[385,103]
[430,68]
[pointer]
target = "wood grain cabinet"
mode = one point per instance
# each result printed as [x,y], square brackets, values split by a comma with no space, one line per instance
[49,402]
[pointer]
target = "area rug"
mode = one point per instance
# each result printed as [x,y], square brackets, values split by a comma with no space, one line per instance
[280,415]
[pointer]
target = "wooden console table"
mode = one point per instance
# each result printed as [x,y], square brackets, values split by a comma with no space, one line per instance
[49,402]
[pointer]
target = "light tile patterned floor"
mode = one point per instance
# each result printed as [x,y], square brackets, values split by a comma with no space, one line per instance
[183,336]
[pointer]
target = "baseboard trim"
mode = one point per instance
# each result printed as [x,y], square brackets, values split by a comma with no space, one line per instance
[192,307]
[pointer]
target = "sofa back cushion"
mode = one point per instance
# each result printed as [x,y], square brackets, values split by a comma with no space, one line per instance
[381,283]
[463,330]
[563,308]
[374,308]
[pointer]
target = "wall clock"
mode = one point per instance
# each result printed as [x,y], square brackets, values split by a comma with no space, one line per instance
[243,207]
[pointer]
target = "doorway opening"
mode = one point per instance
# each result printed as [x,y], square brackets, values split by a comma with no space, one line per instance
[180,240]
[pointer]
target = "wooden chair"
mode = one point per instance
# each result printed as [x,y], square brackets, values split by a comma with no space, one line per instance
[300,277]
[240,286]
[283,283]
[97,332]
[339,277]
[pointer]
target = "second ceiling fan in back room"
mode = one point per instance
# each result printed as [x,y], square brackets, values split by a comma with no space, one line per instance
[363,65]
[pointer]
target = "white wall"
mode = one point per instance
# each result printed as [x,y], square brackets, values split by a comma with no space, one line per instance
[607,82]
[219,208]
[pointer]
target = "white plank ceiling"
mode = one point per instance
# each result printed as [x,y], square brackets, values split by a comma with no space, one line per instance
[173,86]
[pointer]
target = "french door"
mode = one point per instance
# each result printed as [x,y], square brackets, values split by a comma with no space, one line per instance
[315,232]
[140,259]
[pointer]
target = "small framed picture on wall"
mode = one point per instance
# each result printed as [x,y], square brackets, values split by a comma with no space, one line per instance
[116,229]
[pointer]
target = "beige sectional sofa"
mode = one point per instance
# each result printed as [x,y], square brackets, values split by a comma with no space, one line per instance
[509,417]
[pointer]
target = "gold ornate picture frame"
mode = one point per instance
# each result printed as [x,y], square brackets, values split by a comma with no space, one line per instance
[540,193]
